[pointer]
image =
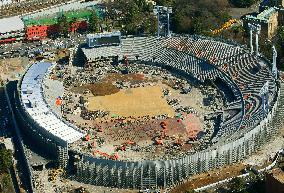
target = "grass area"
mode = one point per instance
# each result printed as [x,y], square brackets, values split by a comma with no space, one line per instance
[6,185]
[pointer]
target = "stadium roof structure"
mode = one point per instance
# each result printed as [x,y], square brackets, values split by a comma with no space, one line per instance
[11,24]
[36,106]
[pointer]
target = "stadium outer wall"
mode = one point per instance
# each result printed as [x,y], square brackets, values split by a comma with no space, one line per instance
[149,174]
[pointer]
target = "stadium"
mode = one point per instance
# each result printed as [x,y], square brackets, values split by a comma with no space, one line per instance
[153,111]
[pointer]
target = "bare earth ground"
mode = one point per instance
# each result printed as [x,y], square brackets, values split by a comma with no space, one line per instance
[209,177]
[133,102]
[12,68]
[137,106]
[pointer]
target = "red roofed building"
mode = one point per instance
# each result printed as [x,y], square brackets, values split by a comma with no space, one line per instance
[37,32]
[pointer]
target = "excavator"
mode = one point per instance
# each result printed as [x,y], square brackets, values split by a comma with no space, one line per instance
[159,140]
[179,142]
[163,124]
[124,145]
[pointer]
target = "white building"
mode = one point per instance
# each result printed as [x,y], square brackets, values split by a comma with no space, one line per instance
[11,29]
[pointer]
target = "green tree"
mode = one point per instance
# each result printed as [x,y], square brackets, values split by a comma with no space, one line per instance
[94,23]
[237,185]
[190,191]
[63,25]
[243,3]
[150,25]
[191,16]
[5,160]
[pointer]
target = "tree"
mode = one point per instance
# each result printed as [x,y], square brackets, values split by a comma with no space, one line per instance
[190,191]
[5,160]
[150,25]
[63,25]
[94,23]
[243,3]
[237,185]
[191,16]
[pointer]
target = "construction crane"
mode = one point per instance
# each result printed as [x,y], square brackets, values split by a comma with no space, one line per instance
[225,26]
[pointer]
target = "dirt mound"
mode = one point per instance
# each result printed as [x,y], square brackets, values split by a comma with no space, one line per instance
[102,88]
[106,86]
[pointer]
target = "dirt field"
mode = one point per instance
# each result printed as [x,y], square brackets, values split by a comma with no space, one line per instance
[12,68]
[208,178]
[133,102]
[106,87]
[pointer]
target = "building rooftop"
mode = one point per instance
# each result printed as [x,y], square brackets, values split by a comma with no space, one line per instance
[11,24]
[36,106]
[264,15]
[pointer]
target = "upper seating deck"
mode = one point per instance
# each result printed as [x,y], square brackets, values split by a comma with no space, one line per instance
[35,105]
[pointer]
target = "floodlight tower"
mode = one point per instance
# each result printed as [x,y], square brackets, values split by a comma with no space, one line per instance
[162,10]
[169,11]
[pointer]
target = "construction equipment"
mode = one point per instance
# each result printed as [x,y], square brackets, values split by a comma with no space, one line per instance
[121,148]
[165,129]
[87,138]
[54,173]
[159,141]
[179,141]
[124,145]
[112,157]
